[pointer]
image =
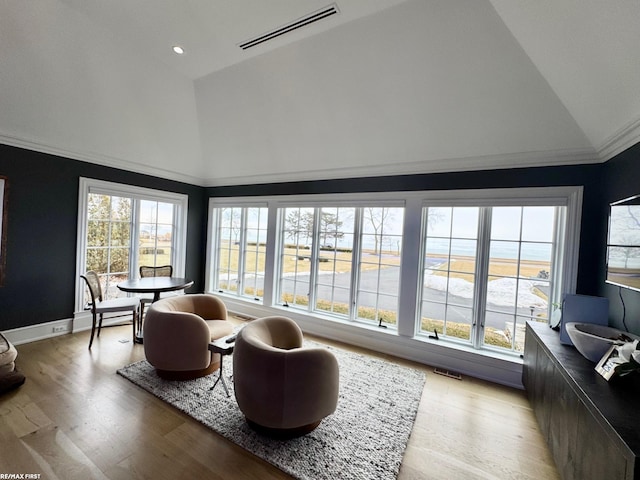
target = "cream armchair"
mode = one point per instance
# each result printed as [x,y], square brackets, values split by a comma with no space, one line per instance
[177,331]
[282,389]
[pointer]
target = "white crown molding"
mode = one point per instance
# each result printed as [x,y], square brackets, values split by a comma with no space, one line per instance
[624,138]
[99,159]
[487,162]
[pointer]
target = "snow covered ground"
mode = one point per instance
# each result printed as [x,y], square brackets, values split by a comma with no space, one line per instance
[502,292]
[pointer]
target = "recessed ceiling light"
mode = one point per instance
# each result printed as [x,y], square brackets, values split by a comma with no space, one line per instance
[177,50]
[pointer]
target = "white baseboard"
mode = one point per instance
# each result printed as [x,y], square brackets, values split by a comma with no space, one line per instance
[32,333]
[80,322]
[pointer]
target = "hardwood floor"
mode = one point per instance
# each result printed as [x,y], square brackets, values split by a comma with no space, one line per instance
[75,418]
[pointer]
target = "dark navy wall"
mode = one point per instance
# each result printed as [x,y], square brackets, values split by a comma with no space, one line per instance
[593,232]
[41,232]
[43,203]
[622,180]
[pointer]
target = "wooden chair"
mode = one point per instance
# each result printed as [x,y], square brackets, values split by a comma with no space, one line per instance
[147,271]
[163,271]
[99,306]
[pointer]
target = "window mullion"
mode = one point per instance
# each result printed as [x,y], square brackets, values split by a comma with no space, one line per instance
[315,250]
[215,239]
[557,255]
[355,263]
[135,235]
[272,260]
[242,251]
[155,240]
[109,244]
[482,276]
[174,226]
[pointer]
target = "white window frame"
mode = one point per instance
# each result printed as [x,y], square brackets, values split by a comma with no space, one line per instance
[483,240]
[91,185]
[405,341]
[212,260]
[357,233]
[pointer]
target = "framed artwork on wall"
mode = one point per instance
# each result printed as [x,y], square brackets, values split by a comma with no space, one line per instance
[3,227]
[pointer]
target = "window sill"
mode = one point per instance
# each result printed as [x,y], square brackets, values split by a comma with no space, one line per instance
[505,369]
[514,357]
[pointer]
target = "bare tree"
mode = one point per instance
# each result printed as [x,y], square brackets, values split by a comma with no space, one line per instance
[377,216]
[633,216]
[434,216]
[627,233]
[233,221]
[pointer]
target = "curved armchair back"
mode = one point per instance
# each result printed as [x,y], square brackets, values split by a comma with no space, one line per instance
[273,333]
[177,332]
[280,386]
[206,306]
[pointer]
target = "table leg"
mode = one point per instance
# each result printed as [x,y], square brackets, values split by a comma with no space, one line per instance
[221,379]
[138,329]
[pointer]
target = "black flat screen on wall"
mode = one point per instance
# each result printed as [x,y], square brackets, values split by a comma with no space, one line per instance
[623,243]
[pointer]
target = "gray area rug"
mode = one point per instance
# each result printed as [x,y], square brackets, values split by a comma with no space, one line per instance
[364,439]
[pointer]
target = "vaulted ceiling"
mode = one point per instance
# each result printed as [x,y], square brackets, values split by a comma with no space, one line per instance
[382,87]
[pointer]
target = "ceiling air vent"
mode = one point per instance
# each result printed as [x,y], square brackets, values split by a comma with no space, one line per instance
[290,27]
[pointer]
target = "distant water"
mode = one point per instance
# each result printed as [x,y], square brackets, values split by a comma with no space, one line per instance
[508,250]
[440,246]
[499,249]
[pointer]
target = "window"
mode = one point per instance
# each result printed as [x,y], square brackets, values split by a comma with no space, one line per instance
[473,265]
[487,270]
[379,266]
[109,241]
[121,227]
[449,276]
[239,257]
[155,233]
[295,255]
[521,266]
[333,258]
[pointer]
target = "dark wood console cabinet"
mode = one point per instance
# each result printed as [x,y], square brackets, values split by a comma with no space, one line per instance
[591,426]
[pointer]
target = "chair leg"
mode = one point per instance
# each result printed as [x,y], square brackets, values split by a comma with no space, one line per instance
[93,330]
[100,324]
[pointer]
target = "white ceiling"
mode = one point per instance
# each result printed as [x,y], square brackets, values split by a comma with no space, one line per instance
[210,30]
[385,87]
